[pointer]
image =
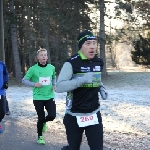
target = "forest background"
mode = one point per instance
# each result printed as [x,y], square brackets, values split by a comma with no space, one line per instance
[27,25]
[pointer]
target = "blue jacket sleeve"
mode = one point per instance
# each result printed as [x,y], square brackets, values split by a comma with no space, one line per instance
[5,73]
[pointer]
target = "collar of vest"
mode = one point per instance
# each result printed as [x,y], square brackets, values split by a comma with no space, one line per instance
[81,55]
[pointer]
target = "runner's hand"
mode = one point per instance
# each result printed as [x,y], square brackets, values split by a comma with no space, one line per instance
[103,93]
[54,88]
[86,78]
[37,84]
[5,86]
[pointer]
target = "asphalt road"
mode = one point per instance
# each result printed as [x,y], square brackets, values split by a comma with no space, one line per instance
[21,135]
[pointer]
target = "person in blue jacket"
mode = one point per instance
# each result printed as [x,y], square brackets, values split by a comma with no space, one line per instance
[3,87]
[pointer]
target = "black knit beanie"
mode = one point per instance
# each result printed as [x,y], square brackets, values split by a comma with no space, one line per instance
[84,36]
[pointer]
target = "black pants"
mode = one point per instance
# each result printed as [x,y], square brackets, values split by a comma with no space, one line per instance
[50,106]
[2,107]
[94,133]
[7,107]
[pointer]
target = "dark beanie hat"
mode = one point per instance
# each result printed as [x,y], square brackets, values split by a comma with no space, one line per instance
[84,36]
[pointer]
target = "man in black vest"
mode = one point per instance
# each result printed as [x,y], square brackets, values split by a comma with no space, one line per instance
[80,77]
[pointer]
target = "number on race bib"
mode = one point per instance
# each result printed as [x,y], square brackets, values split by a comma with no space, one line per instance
[86,118]
[84,121]
[45,80]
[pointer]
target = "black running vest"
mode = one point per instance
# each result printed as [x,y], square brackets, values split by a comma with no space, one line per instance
[85,98]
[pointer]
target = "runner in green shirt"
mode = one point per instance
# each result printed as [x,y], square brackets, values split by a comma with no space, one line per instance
[42,77]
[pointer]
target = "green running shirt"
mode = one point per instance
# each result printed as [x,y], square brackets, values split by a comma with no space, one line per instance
[43,75]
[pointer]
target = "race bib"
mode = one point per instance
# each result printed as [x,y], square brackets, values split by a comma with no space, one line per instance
[44,80]
[84,121]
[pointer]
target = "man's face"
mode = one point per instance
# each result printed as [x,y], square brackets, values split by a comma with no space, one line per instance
[42,57]
[89,48]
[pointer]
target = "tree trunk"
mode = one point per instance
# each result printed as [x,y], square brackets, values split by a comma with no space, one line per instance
[15,51]
[2,53]
[102,36]
[57,41]
[45,29]
[77,14]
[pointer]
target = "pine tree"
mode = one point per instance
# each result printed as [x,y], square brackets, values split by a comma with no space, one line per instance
[141,54]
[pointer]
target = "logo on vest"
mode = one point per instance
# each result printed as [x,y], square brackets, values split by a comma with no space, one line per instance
[85,69]
[97,68]
[74,57]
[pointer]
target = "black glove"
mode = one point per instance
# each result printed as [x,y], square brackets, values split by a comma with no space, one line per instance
[5,86]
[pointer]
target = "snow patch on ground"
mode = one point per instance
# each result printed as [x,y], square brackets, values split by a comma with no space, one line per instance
[126,110]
